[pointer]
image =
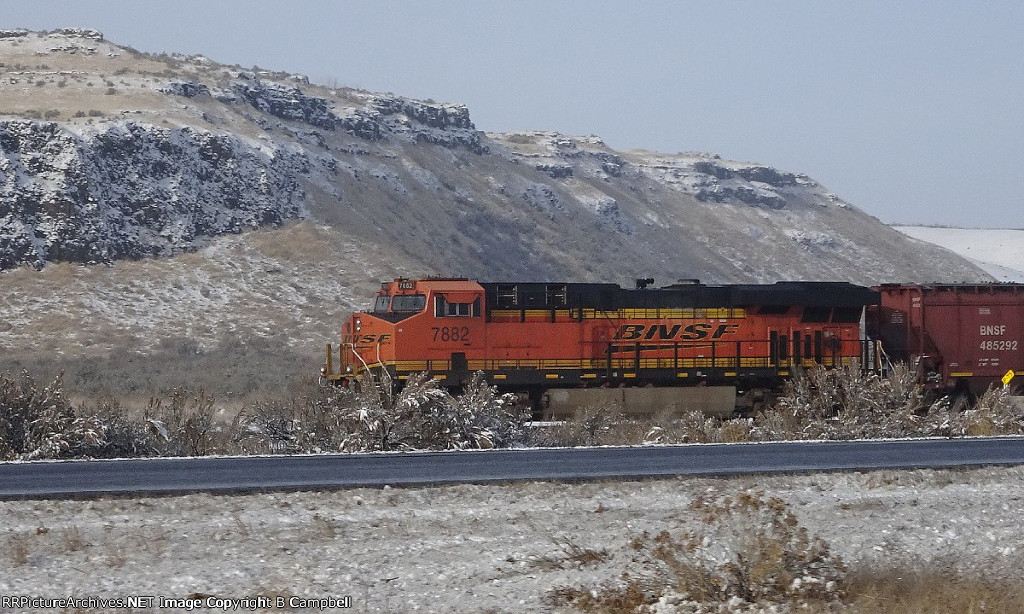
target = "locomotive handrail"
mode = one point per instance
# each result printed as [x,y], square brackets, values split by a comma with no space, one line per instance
[674,363]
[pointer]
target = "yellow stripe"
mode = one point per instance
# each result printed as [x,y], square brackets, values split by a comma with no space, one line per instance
[669,314]
[961,374]
[588,376]
[682,375]
[551,375]
[500,376]
[629,375]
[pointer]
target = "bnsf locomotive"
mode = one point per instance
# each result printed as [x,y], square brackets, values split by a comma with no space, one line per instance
[570,345]
[684,346]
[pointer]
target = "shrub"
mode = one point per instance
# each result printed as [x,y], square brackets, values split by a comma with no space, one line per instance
[421,416]
[38,422]
[310,423]
[185,425]
[750,549]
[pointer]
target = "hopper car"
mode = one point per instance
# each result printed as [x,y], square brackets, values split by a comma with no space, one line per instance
[962,338]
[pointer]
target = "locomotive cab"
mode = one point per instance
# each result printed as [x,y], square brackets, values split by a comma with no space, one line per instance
[434,325]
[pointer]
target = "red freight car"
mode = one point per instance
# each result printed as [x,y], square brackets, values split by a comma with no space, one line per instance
[961,336]
[539,337]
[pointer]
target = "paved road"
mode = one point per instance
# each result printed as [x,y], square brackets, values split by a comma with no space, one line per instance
[172,475]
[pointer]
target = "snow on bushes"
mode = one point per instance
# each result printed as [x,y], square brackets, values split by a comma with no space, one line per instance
[420,416]
[39,422]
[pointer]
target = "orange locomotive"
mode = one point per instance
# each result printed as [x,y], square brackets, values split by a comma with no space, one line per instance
[535,337]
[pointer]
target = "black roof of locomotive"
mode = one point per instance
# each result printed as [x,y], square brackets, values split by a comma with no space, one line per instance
[533,295]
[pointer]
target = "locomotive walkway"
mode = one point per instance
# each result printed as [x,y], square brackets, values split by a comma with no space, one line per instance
[234,474]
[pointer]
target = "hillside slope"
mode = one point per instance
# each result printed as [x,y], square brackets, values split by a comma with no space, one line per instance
[111,156]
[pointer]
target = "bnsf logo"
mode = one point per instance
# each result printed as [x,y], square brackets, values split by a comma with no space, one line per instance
[690,332]
[367,338]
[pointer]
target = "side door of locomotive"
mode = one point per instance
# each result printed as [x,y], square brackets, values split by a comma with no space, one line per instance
[457,334]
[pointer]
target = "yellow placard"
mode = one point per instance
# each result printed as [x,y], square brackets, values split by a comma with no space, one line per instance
[1009,376]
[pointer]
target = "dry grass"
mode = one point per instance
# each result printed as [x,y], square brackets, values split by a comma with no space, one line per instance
[18,549]
[917,589]
[304,417]
[324,528]
[73,540]
[569,554]
[627,599]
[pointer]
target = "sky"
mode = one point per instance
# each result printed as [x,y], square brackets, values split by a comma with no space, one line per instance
[910,111]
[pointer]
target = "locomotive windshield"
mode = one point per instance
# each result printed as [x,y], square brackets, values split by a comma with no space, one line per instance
[408,303]
[381,305]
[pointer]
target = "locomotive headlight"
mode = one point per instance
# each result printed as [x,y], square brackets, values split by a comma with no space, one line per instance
[359,325]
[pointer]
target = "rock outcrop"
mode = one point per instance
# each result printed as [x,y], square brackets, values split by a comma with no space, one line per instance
[127,190]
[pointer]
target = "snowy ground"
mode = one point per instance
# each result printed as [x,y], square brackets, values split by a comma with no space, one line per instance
[999,253]
[467,548]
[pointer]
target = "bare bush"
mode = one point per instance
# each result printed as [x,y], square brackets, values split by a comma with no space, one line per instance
[73,540]
[308,423]
[594,426]
[424,416]
[750,549]
[570,554]
[38,422]
[185,425]
[123,436]
[849,404]
[420,416]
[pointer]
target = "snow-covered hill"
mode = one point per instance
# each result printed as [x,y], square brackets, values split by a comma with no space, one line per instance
[108,153]
[1000,253]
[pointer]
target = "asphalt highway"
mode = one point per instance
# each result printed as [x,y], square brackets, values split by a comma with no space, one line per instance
[225,474]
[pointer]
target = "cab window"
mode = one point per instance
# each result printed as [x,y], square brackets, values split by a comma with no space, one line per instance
[381,304]
[408,302]
[444,309]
